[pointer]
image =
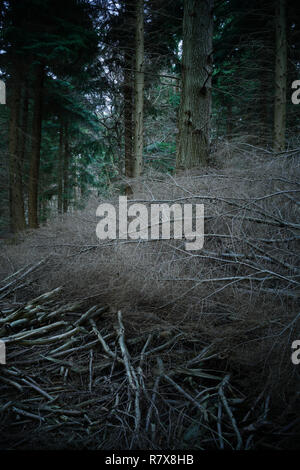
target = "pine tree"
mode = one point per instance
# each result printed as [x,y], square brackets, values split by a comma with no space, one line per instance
[139,90]
[50,37]
[195,106]
[280,77]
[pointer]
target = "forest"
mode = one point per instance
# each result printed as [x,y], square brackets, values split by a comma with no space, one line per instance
[149,225]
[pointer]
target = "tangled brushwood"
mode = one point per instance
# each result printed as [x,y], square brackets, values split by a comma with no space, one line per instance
[138,344]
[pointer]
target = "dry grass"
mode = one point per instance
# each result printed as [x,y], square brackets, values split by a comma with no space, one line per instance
[238,295]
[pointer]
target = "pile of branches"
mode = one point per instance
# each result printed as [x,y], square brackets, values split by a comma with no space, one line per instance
[163,348]
[75,379]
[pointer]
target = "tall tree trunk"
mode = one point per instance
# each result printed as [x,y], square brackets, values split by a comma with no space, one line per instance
[66,171]
[60,170]
[195,105]
[36,148]
[229,123]
[24,119]
[280,77]
[264,121]
[139,90]
[128,88]
[15,158]
[23,135]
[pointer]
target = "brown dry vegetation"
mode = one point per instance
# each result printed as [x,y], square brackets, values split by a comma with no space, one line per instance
[224,317]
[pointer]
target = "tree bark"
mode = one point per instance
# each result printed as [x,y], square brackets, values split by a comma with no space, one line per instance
[17,215]
[139,90]
[66,171]
[195,105]
[24,119]
[229,124]
[264,138]
[36,148]
[280,77]
[60,170]
[128,89]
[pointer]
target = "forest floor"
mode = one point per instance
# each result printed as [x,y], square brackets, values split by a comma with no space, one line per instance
[145,345]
